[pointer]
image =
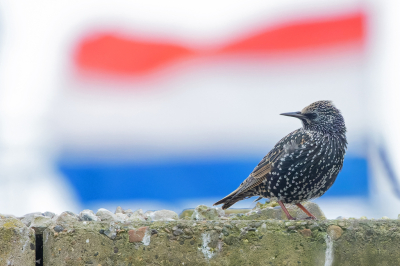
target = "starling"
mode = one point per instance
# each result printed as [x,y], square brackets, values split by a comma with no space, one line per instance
[303,165]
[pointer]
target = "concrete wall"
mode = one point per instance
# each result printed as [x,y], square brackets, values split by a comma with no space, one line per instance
[161,238]
[335,242]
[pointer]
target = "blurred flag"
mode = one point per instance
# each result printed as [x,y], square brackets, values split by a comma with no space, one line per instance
[158,121]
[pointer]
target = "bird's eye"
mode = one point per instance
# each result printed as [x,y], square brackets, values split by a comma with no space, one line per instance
[311,115]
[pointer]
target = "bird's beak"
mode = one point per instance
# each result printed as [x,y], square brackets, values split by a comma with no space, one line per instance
[294,114]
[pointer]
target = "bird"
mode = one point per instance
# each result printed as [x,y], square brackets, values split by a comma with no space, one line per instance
[301,166]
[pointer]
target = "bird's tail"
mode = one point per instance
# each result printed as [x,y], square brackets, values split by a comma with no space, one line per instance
[231,199]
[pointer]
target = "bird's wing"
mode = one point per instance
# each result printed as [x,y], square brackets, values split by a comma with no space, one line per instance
[289,147]
[255,178]
[292,143]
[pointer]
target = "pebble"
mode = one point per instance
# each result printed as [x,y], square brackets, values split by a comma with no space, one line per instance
[40,223]
[72,214]
[121,216]
[263,227]
[49,214]
[112,234]
[257,224]
[334,231]
[137,216]
[225,231]
[202,212]
[106,215]
[163,215]
[66,217]
[58,228]
[88,215]
[27,218]
[177,232]
[119,210]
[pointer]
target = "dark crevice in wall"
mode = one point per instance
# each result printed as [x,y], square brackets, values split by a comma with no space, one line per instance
[39,250]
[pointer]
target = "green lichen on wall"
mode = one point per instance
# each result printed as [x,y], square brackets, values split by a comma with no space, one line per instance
[189,243]
[366,242]
[17,245]
[237,242]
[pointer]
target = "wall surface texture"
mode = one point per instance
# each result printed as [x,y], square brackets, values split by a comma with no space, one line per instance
[201,236]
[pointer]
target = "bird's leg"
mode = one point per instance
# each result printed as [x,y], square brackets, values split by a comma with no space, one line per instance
[286,211]
[306,211]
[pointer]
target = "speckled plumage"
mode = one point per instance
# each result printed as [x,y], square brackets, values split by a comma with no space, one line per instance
[304,164]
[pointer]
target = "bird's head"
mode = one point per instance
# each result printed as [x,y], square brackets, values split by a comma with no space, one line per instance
[321,116]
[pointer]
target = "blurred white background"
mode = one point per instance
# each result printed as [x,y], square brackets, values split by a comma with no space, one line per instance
[155,104]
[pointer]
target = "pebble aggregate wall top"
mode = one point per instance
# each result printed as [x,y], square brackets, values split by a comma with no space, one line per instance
[202,236]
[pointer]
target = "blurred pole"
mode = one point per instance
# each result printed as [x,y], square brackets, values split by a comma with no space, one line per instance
[28,81]
[383,111]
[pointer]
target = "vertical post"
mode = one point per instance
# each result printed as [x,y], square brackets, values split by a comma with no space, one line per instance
[383,110]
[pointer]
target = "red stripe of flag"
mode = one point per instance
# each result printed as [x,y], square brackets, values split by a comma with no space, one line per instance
[311,34]
[111,53]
